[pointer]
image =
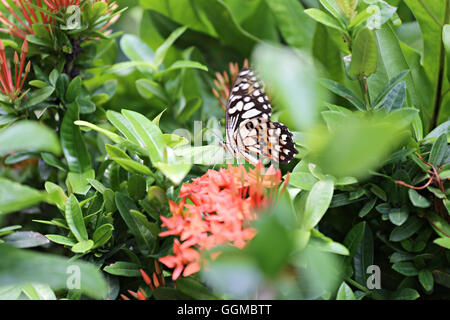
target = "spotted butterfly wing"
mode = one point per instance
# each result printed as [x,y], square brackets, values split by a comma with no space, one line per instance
[250,133]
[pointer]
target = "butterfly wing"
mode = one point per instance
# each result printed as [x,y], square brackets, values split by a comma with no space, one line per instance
[249,130]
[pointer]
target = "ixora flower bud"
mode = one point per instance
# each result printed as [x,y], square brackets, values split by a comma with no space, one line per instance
[216,209]
[11,87]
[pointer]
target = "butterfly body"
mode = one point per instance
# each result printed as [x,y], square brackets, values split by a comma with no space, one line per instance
[249,131]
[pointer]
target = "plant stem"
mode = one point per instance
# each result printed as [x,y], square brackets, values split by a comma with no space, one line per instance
[365,92]
[363,289]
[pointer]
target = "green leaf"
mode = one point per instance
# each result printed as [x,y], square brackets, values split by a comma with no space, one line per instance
[204,155]
[137,187]
[53,161]
[79,182]
[405,294]
[149,88]
[320,242]
[102,235]
[368,206]
[360,144]
[398,216]
[83,246]
[19,267]
[390,86]
[431,16]
[396,97]
[406,230]
[426,279]
[143,66]
[364,256]
[446,41]
[317,203]
[148,133]
[302,180]
[73,143]
[296,29]
[15,197]
[405,268]
[136,50]
[194,289]
[111,135]
[345,293]
[143,237]
[75,219]
[443,242]
[56,195]
[418,200]
[28,136]
[348,7]
[395,62]
[74,89]
[364,55]
[324,18]
[56,238]
[26,239]
[123,269]
[438,151]
[174,171]
[184,64]
[344,92]
[38,292]
[353,239]
[161,52]
[38,96]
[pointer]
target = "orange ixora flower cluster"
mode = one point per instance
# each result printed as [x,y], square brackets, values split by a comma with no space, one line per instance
[12,86]
[216,209]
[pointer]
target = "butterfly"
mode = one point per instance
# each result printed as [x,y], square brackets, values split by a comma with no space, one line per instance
[249,132]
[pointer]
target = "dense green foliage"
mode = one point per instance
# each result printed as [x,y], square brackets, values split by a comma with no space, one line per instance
[106,131]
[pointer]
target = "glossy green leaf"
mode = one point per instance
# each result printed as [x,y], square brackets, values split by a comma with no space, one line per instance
[395,98]
[417,199]
[161,52]
[73,143]
[148,133]
[324,18]
[407,229]
[293,23]
[364,256]
[364,55]
[143,237]
[15,197]
[74,89]
[38,96]
[426,279]
[443,242]
[75,220]
[28,136]
[149,88]
[405,268]
[25,239]
[345,293]
[19,266]
[124,269]
[317,203]
[56,238]
[102,235]
[83,246]
[439,151]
